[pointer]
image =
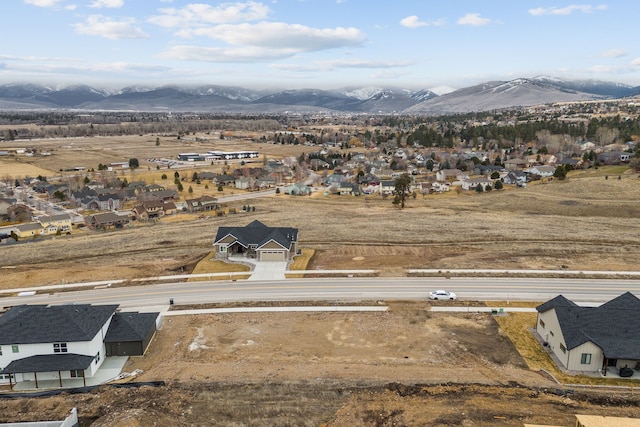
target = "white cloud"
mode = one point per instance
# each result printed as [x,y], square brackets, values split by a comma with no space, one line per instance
[43,3]
[340,64]
[217,54]
[201,14]
[38,65]
[278,35]
[614,53]
[412,22]
[107,3]
[474,19]
[567,10]
[264,42]
[33,58]
[636,62]
[102,26]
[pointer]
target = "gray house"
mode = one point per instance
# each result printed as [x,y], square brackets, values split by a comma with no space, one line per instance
[256,240]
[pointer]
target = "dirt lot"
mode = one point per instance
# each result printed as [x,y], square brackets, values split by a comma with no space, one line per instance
[404,344]
[404,367]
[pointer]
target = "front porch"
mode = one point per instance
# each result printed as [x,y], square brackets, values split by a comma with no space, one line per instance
[110,369]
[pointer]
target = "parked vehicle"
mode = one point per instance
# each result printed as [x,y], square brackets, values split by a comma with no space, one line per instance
[442,294]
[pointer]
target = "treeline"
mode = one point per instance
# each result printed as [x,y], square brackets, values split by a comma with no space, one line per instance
[490,130]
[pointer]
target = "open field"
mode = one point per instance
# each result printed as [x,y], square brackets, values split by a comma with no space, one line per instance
[90,151]
[11,169]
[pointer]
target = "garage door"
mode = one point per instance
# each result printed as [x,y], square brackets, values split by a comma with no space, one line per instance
[272,256]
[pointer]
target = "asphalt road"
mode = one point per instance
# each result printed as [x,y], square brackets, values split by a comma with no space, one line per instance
[339,289]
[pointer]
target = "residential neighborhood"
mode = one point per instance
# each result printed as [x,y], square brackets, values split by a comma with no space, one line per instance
[328,197]
[40,206]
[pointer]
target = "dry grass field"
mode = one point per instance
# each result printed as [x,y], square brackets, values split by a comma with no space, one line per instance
[18,169]
[88,152]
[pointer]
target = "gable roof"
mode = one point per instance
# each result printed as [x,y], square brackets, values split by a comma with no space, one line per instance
[29,227]
[32,324]
[130,326]
[256,233]
[613,326]
[53,218]
[559,301]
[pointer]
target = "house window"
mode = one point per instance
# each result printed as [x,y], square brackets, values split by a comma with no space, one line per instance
[585,359]
[552,334]
[77,373]
[15,349]
[0,350]
[542,323]
[5,376]
[563,348]
[60,347]
[97,358]
[223,248]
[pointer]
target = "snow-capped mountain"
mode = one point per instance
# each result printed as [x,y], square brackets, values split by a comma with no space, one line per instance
[213,98]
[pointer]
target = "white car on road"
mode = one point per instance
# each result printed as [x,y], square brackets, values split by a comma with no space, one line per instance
[441,294]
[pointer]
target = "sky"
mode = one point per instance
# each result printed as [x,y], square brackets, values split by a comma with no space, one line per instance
[323,44]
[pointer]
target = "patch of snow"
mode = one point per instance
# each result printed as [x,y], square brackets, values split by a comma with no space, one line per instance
[442,90]
[198,341]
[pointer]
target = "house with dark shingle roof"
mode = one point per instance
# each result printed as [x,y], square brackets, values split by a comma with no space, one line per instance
[592,339]
[67,342]
[256,240]
[107,220]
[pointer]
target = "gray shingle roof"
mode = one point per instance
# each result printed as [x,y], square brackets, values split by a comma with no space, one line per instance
[126,327]
[613,326]
[256,233]
[32,324]
[49,363]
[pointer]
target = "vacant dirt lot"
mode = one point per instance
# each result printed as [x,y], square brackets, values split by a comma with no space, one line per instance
[406,344]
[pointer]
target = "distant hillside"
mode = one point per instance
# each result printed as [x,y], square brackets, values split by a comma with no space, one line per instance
[501,94]
[374,100]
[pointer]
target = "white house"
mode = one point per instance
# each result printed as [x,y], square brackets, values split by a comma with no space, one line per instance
[472,183]
[64,342]
[450,175]
[387,187]
[543,171]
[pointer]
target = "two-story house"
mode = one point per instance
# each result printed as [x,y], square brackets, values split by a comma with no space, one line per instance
[67,342]
[56,223]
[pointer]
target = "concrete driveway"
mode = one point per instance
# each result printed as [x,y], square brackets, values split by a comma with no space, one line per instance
[268,270]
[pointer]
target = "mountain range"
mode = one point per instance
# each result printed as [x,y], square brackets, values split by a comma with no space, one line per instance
[493,95]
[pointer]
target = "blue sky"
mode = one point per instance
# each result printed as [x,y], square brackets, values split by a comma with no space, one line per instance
[323,44]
